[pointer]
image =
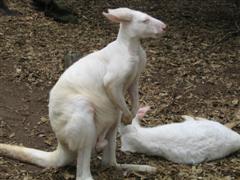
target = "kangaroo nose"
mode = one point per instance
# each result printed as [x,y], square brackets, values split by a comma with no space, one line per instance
[164,27]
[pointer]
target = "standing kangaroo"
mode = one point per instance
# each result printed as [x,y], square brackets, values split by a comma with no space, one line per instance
[87,102]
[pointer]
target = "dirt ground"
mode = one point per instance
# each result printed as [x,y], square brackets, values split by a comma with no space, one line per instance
[193,69]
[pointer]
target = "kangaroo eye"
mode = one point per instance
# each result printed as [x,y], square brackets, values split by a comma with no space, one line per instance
[145,20]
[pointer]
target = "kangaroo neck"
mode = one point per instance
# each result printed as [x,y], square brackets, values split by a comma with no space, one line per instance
[131,43]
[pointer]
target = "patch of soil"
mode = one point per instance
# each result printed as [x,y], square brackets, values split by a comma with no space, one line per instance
[193,69]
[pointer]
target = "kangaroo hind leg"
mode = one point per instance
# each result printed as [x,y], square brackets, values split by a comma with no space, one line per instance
[80,134]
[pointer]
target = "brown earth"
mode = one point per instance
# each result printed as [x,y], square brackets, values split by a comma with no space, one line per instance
[193,69]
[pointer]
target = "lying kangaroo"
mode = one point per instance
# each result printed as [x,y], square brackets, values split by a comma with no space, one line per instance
[87,102]
[190,142]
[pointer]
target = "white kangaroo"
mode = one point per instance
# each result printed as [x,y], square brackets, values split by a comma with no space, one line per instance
[190,142]
[87,102]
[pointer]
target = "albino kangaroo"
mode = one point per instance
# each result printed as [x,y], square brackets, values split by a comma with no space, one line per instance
[190,142]
[86,103]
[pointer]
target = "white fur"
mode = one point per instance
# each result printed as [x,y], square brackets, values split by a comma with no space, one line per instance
[86,103]
[190,142]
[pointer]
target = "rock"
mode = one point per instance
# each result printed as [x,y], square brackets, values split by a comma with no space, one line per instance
[57,9]
[70,58]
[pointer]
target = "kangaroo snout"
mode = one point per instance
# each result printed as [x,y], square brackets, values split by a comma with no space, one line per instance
[164,27]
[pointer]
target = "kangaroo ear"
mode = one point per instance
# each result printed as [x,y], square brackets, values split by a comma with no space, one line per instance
[118,15]
[142,111]
[188,118]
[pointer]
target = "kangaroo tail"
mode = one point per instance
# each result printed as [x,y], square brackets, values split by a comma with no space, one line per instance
[57,158]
